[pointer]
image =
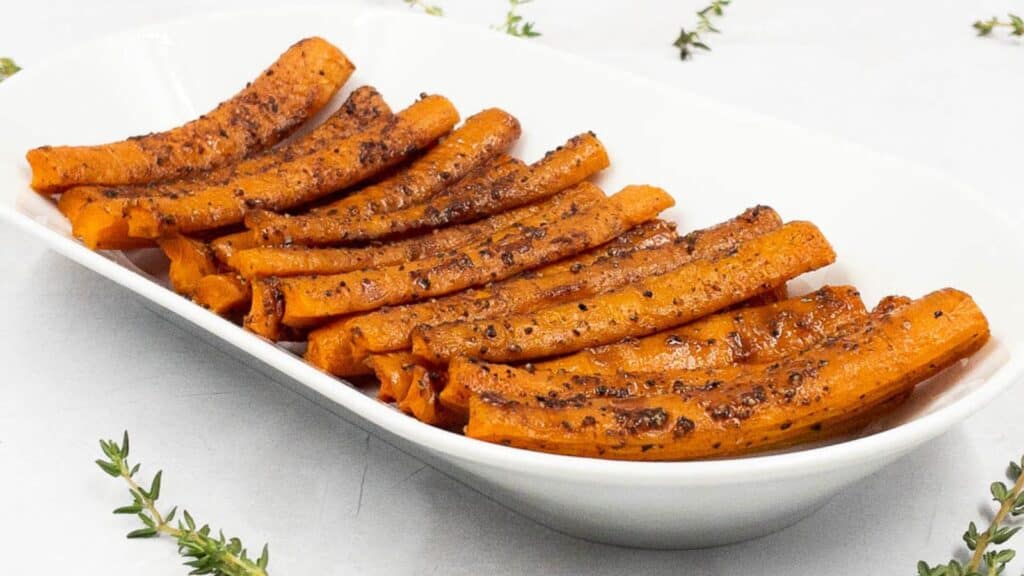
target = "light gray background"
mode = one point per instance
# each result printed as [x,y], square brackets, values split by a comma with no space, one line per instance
[83,358]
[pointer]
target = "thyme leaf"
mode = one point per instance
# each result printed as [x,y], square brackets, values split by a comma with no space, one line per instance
[514,24]
[431,9]
[688,40]
[8,68]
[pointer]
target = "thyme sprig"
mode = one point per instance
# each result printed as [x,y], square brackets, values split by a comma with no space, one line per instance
[687,41]
[1014,23]
[985,562]
[8,68]
[514,25]
[206,554]
[432,9]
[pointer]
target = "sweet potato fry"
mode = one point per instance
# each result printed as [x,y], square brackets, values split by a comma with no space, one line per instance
[331,347]
[104,225]
[694,290]
[302,180]
[394,371]
[750,335]
[222,294]
[570,280]
[302,261]
[528,244]
[581,157]
[292,90]
[480,138]
[191,260]
[763,409]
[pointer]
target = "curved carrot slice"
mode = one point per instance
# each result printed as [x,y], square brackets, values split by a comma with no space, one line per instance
[331,346]
[766,408]
[750,335]
[572,163]
[222,294]
[694,290]
[97,214]
[191,260]
[480,138]
[292,90]
[571,280]
[528,244]
[302,180]
[394,371]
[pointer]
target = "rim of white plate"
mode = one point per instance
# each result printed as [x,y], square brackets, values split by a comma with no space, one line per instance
[892,441]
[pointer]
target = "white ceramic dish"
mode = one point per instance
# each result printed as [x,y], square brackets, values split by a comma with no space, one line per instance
[896,228]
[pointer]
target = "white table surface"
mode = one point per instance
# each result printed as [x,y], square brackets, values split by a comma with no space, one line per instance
[84,359]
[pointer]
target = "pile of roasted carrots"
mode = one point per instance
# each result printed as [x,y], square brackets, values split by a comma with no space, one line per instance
[515,302]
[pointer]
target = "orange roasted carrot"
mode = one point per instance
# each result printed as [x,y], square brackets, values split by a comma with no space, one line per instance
[262,262]
[570,280]
[191,260]
[97,214]
[480,138]
[750,335]
[351,160]
[572,163]
[694,290]
[394,371]
[224,247]
[765,408]
[331,346]
[421,399]
[528,244]
[284,96]
[222,294]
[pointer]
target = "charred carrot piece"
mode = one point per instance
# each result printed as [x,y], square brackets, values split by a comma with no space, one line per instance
[750,335]
[288,93]
[421,399]
[571,280]
[572,163]
[480,138]
[303,260]
[224,247]
[530,243]
[331,346]
[97,214]
[394,371]
[694,290]
[302,180]
[767,408]
[222,294]
[191,260]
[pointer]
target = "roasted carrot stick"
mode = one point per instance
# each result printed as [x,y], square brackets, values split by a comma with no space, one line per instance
[750,335]
[224,247]
[570,164]
[480,138]
[97,214]
[766,408]
[292,90]
[222,294]
[421,399]
[302,180]
[394,371]
[674,298]
[528,244]
[331,347]
[302,260]
[191,260]
[571,280]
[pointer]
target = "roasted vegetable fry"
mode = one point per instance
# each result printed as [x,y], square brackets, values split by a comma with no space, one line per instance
[302,180]
[569,280]
[674,298]
[191,260]
[528,244]
[302,261]
[292,90]
[472,199]
[222,294]
[764,409]
[224,247]
[421,399]
[331,346]
[394,371]
[480,138]
[750,335]
[97,213]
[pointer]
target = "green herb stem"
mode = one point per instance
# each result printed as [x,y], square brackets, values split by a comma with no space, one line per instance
[986,536]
